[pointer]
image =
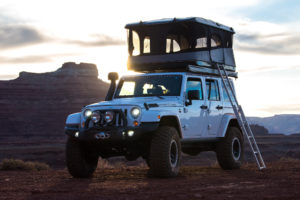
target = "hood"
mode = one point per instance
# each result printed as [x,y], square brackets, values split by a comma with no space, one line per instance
[139,101]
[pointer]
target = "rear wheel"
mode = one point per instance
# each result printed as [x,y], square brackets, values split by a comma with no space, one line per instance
[81,160]
[165,153]
[230,151]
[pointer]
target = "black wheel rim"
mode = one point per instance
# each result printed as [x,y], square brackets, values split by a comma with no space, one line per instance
[236,148]
[173,153]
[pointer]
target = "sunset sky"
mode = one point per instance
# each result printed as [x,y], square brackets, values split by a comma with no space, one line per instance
[39,36]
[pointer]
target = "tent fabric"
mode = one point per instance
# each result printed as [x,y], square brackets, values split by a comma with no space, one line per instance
[174,44]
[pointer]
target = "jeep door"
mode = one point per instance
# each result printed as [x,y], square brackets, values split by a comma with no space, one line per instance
[215,106]
[193,116]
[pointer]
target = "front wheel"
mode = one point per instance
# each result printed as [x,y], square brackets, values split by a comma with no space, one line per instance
[165,152]
[81,160]
[230,151]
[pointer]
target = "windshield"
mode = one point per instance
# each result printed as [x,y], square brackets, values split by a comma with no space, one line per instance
[156,85]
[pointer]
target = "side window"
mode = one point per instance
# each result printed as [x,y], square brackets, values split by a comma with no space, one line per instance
[146,45]
[212,90]
[201,43]
[172,46]
[215,41]
[225,93]
[136,44]
[194,84]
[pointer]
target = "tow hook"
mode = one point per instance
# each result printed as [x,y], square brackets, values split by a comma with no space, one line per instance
[102,136]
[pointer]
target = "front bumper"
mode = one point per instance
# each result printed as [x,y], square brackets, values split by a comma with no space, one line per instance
[111,134]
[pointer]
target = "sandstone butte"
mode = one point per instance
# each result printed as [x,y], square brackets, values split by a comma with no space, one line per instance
[37,104]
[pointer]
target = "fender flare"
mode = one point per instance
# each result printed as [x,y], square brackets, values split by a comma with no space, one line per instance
[227,119]
[73,119]
[152,116]
[178,124]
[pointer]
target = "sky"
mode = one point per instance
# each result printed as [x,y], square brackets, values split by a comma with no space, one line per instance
[39,36]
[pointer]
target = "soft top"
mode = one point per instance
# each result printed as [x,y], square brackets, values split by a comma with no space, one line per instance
[199,20]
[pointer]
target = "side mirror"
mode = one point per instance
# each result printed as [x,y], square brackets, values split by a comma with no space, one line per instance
[193,95]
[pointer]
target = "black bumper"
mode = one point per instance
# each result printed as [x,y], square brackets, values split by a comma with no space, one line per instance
[111,134]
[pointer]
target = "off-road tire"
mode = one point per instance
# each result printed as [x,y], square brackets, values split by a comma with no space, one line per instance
[81,160]
[230,151]
[165,152]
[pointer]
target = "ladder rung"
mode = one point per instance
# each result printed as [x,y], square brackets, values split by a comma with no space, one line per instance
[263,167]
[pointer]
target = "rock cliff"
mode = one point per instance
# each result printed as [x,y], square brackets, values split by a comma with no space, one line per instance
[37,104]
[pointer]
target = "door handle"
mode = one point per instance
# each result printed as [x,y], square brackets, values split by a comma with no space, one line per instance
[203,107]
[219,107]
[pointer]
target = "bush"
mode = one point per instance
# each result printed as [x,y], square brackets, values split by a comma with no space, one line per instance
[16,164]
[104,164]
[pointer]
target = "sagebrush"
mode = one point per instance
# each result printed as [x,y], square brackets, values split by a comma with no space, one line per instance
[16,164]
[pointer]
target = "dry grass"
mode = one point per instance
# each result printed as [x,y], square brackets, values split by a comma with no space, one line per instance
[104,164]
[289,159]
[16,164]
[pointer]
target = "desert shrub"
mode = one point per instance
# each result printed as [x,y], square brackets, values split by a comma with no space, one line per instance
[259,130]
[41,166]
[289,159]
[16,164]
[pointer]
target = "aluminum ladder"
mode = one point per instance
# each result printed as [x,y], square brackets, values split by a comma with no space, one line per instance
[239,113]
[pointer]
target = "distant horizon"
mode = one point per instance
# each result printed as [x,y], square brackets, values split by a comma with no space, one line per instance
[106,80]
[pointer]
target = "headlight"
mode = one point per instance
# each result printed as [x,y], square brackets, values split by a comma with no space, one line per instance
[96,117]
[87,113]
[135,112]
[109,116]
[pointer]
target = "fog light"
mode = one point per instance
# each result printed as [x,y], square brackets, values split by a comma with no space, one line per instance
[77,134]
[130,133]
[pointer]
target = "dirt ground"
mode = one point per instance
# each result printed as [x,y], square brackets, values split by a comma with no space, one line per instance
[281,180]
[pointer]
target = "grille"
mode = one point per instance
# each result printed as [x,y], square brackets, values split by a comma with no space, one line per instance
[119,120]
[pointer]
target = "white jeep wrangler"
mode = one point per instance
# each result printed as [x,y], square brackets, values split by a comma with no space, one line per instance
[178,104]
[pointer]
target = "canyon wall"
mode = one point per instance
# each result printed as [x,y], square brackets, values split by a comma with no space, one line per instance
[37,104]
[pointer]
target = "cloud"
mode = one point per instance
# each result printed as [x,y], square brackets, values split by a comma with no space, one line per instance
[26,59]
[98,41]
[34,58]
[267,38]
[12,36]
[270,68]
[278,44]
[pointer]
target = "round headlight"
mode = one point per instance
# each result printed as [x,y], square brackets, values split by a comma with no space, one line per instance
[109,116]
[96,117]
[135,112]
[87,113]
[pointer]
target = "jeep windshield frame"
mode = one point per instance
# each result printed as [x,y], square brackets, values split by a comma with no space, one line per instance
[149,86]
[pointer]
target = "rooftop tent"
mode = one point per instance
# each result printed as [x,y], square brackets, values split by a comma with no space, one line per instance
[175,44]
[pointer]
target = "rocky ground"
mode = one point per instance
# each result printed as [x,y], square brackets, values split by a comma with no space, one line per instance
[281,180]
[200,176]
